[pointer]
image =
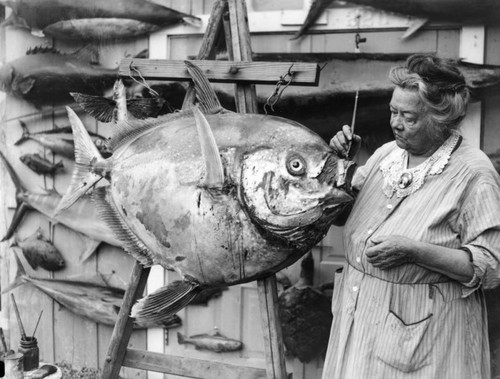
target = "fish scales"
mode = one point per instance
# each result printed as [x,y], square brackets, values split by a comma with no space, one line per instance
[221,198]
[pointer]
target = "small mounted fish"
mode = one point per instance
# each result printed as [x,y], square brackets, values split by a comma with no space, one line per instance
[60,140]
[41,165]
[213,341]
[40,252]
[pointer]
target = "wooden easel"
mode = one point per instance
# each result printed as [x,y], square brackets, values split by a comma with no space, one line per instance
[245,73]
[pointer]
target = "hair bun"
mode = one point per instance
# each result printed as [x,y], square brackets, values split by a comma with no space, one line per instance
[438,72]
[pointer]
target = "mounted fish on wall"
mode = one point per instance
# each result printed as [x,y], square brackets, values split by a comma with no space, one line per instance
[60,140]
[82,218]
[39,251]
[96,302]
[221,198]
[45,76]
[465,12]
[94,20]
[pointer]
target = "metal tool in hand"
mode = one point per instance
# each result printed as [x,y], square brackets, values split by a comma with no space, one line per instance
[341,165]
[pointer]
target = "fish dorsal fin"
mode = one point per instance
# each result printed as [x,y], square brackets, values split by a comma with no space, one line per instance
[214,171]
[108,213]
[42,50]
[415,26]
[207,99]
[120,98]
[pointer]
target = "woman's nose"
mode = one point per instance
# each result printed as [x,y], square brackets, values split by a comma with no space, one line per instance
[396,122]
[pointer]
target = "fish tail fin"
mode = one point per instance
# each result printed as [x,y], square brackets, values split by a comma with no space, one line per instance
[21,207]
[180,338]
[90,166]
[23,269]
[164,302]
[99,107]
[193,20]
[26,134]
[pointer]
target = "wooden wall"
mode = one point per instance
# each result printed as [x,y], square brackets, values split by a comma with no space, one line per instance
[64,336]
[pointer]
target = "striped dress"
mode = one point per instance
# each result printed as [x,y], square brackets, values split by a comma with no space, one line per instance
[408,321]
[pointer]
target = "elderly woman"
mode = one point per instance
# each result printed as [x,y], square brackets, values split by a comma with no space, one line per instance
[421,241]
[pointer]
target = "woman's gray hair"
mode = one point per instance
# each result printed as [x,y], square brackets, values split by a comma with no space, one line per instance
[439,84]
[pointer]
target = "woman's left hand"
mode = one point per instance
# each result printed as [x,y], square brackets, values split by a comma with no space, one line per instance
[390,251]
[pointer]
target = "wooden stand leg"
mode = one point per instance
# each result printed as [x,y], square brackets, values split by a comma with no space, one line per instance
[271,327]
[123,327]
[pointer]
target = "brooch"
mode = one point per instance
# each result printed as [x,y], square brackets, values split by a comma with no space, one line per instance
[405,180]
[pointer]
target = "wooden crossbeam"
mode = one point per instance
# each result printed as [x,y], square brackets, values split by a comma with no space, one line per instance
[189,367]
[304,74]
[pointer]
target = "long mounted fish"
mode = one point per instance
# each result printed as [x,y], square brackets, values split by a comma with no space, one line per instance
[466,12]
[82,218]
[221,198]
[96,302]
[95,20]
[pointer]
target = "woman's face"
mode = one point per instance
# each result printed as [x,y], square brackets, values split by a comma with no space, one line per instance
[411,124]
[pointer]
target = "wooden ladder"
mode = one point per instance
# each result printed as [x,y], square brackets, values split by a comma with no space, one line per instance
[230,18]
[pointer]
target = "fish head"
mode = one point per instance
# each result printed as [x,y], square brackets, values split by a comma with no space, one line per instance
[6,78]
[293,192]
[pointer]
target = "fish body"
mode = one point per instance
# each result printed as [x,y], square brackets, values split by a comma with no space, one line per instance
[60,140]
[221,198]
[41,165]
[94,19]
[41,252]
[44,76]
[213,341]
[93,301]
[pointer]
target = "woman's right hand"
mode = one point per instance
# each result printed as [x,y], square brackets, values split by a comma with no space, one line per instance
[344,143]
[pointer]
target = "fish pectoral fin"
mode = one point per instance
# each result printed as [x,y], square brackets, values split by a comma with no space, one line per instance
[25,85]
[214,171]
[90,247]
[101,108]
[164,302]
[415,26]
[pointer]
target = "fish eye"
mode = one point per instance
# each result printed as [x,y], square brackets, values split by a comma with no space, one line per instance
[296,165]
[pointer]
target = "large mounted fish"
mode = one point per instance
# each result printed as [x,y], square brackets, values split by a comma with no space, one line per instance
[466,12]
[93,19]
[44,76]
[96,302]
[221,198]
[82,218]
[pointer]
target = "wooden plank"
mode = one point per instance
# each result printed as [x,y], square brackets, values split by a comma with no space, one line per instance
[123,328]
[188,367]
[245,96]
[273,339]
[305,74]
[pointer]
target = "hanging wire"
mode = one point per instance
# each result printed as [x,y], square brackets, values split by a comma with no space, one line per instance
[285,80]
[143,83]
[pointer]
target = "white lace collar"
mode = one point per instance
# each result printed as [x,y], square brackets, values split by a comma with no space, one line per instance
[403,181]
